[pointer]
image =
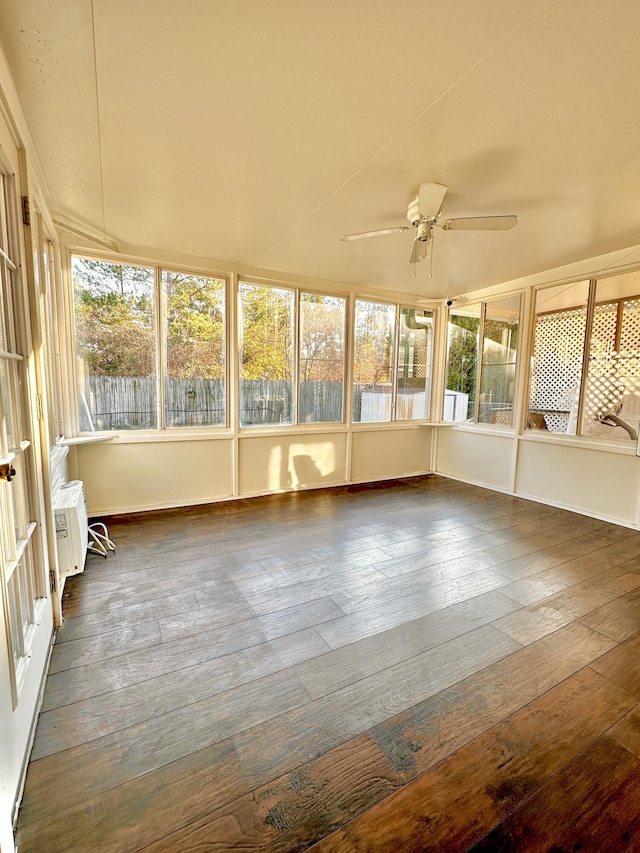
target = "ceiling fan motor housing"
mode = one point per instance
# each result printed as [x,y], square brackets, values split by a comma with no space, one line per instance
[424,231]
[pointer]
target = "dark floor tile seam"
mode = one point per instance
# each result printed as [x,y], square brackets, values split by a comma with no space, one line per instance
[156,717]
[205,628]
[570,586]
[189,666]
[259,618]
[429,589]
[97,603]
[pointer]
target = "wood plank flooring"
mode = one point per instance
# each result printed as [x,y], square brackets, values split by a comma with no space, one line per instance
[416,665]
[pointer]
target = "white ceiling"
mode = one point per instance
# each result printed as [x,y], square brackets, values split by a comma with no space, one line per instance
[258,131]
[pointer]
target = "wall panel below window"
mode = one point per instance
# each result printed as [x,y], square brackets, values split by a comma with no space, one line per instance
[589,480]
[271,463]
[121,477]
[475,457]
[387,453]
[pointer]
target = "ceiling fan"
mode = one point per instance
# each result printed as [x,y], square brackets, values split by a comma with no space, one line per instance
[423,213]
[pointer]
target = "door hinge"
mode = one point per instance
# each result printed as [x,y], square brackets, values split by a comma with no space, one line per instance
[52,580]
[40,407]
[26,211]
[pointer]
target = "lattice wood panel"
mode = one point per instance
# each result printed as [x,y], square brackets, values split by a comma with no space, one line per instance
[557,365]
[614,362]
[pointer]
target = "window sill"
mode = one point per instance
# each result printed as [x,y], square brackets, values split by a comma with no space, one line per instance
[86,439]
[483,429]
[626,448]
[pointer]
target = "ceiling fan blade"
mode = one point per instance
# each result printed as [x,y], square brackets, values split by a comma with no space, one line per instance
[430,199]
[364,234]
[419,252]
[479,223]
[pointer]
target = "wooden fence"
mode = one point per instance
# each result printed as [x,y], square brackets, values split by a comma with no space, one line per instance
[128,402]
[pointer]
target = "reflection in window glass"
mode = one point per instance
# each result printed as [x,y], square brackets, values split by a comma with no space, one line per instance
[266,354]
[612,392]
[321,362]
[194,387]
[556,366]
[462,364]
[373,361]
[499,348]
[414,363]
[115,345]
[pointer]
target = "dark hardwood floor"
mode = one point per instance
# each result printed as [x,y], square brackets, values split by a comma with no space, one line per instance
[417,665]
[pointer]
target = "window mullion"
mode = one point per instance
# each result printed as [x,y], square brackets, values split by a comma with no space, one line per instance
[394,366]
[584,376]
[295,385]
[479,361]
[161,348]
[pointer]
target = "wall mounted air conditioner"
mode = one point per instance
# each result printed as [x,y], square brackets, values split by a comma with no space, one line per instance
[72,528]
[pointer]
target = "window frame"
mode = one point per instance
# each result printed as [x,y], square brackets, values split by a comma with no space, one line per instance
[579,438]
[398,305]
[298,291]
[475,422]
[232,427]
[161,430]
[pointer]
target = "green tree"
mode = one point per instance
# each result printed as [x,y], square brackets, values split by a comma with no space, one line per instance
[322,338]
[195,326]
[114,308]
[267,333]
[462,361]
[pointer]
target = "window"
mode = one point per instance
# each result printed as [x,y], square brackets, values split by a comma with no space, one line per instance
[498,368]
[481,362]
[373,353]
[556,364]
[462,364]
[195,350]
[266,355]
[612,392]
[128,376]
[115,345]
[413,382]
[589,329]
[321,362]
[392,356]
[271,371]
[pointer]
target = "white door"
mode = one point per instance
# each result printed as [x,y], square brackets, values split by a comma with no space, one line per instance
[26,622]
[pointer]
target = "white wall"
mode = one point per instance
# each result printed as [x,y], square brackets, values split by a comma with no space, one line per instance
[384,454]
[130,473]
[594,481]
[120,476]
[475,457]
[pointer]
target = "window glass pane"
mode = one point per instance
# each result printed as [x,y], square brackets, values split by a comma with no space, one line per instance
[266,354]
[556,365]
[414,363]
[194,385]
[612,394]
[322,324]
[373,361]
[499,347]
[115,345]
[462,364]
